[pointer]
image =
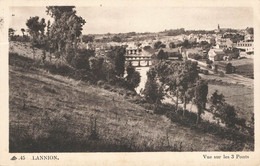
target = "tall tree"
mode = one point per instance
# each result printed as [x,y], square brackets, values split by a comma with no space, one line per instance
[66,28]
[96,66]
[116,56]
[36,31]
[133,77]
[188,77]
[200,97]
[222,110]
[153,93]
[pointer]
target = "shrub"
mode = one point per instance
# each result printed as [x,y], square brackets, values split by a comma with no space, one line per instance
[221,74]
[229,68]
[81,59]
[194,56]
[100,83]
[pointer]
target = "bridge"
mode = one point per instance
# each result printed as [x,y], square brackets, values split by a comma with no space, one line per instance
[139,58]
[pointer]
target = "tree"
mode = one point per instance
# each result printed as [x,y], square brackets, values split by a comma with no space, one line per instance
[96,64]
[216,99]
[189,77]
[36,31]
[200,97]
[146,48]
[172,45]
[66,28]
[162,55]
[153,93]
[87,38]
[162,46]
[227,114]
[250,30]
[23,30]
[222,110]
[109,71]
[117,58]
[228,68]
[11,32]
[186,44]
[133,77]
[35,26]
[81,59]
[157,44]
[116,39]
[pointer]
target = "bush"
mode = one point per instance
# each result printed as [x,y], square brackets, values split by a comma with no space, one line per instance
[229,68]
[221,74]
[147,48]
[81,59]
[194,56]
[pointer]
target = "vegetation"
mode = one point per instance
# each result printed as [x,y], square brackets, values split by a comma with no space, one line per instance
[133,77]
[200,98]
[87,38]
[89,97]
[64,39]
[176,79]
[158,45]
[172,45]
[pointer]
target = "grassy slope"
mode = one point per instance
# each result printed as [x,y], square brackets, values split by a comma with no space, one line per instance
[54,113]
[237,95]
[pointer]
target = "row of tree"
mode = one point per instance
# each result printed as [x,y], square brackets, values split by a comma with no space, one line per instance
[180,82]
[176,80]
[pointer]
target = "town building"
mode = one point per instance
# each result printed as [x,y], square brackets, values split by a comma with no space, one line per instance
[216,54]
[224,43]
[247,46]
[249,37]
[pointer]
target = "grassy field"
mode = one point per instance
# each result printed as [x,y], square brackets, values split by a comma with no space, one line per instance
[53,113]
[244,67]
[237,95]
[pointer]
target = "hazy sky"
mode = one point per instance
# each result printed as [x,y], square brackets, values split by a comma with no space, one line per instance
[145,19]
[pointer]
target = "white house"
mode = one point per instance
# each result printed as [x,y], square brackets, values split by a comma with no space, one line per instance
[247,46]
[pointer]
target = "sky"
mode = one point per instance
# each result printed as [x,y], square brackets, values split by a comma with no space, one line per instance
[101,20]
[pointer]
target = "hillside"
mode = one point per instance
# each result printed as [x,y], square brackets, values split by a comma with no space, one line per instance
[52,113]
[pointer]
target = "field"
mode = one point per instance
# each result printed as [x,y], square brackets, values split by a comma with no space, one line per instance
[238,91]
[239,96]
[244,67]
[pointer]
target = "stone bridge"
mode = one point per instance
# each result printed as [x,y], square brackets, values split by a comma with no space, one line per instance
[139,58]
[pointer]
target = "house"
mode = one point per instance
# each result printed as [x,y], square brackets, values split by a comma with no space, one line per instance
[216,54]
[224,43]
[249,37]
[173,53]
[247,46]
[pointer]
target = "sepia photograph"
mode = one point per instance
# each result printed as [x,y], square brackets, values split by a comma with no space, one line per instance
[124,79]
